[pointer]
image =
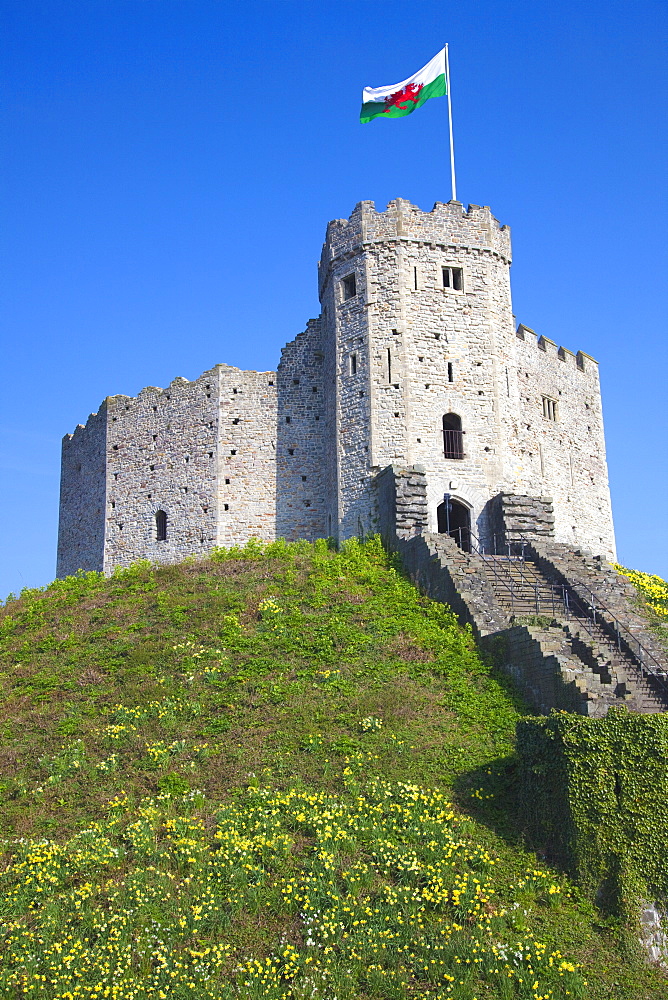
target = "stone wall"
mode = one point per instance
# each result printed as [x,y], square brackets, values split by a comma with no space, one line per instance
[162,455]
[301,434]
[401,503]
[246,462]
[83,490]
[520,517]
[565,457]
[204,452]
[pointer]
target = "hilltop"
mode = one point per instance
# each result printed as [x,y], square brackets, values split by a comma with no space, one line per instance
[279,772]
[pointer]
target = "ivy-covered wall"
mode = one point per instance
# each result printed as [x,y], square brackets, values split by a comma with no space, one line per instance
[594,796]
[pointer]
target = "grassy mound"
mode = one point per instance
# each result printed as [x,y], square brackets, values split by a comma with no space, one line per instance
[278,773]
[652,594]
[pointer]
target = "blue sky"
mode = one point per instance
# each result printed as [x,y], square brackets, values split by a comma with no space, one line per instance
[169,167]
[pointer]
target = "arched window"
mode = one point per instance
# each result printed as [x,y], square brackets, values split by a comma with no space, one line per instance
[453,444]
[160,525]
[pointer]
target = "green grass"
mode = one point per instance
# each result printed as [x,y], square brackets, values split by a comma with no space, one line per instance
[277,773]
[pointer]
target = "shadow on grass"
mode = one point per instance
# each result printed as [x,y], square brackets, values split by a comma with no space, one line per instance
[489,794]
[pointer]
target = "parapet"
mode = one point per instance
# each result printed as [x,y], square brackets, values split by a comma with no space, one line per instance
[448,224]
[81,429]
[178,385]
[583,362]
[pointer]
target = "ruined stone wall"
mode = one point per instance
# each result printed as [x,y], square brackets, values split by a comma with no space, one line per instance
[162,455]
[521,517]
[83,481]
[204,452]
[401,503]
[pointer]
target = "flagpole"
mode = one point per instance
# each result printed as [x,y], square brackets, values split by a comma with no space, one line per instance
[452,144]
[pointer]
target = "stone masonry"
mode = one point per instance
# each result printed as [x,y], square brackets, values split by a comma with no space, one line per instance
[416,326]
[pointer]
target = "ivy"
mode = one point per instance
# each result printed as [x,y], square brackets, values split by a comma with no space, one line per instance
[594,796]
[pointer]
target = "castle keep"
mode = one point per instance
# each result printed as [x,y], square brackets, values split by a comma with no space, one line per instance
[414,362]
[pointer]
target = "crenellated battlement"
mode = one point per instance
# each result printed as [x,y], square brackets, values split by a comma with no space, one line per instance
[178,385]
[447,225]
[80,430]
[580,361]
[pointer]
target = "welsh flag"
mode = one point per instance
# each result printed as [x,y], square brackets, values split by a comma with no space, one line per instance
[402,98]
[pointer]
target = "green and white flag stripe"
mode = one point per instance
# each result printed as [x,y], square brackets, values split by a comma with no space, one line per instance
[403,98]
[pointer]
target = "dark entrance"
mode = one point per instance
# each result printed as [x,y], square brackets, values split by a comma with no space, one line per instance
[456,522]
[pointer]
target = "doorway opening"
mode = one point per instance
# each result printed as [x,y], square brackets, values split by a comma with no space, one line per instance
[454,519]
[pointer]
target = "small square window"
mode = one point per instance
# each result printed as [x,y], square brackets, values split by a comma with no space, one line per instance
[349,287]
[453,277]
[549,408]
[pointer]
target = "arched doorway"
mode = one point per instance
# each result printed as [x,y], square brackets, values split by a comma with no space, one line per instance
[454,519]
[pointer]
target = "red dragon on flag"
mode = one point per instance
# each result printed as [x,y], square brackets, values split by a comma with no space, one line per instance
[401,98]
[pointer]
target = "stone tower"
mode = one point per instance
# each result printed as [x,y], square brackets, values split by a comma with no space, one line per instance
[429,370]
[414,362]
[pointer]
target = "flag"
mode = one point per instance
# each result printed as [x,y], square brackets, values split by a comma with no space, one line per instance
[402,98]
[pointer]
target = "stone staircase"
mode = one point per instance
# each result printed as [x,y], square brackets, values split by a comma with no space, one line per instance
[559,658]
[522,592]
[559,620]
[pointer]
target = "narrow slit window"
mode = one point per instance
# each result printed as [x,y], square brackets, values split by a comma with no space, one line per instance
[415,279]
[353,364]
[349,287]
[389,365]
[451,374]
[161,526]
